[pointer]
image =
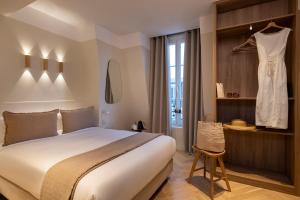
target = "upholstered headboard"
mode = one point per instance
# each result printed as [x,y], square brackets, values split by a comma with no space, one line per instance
[38,106]
[2,131]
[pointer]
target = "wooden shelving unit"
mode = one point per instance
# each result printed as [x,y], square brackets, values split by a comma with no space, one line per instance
[228,5]
[261,131]
[237,99]
[259,178]
[265,157]
[244,99]
[256,25]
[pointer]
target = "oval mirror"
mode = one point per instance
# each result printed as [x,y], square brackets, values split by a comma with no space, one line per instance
[113,88]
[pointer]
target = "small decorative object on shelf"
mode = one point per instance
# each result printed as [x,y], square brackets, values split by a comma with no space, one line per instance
[220,90]
[233,95]
[240,125]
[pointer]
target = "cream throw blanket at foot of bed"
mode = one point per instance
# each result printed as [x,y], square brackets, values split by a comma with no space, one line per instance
[61,179]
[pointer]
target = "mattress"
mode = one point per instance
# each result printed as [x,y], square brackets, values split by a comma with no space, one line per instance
[26,164]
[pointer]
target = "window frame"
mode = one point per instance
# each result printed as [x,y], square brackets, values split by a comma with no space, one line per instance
[176,40]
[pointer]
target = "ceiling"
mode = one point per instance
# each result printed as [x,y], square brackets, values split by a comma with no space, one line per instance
[8,6]
[151,17]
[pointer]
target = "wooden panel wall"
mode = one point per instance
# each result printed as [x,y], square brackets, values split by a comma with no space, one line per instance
[258,150]
[253,13]
[229,110]
[228,5]
[237,71]
[297,108]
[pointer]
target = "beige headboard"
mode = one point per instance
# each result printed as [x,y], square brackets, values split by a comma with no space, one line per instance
[2,131]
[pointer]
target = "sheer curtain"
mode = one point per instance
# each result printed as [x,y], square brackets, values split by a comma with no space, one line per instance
[192,98]
[158,91]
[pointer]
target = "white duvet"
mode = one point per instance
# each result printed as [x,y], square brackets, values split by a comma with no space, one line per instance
[26,163]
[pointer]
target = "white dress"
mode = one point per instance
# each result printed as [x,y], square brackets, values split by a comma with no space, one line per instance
[272,96]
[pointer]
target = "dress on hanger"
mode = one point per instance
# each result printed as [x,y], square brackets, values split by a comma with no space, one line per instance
[272,96]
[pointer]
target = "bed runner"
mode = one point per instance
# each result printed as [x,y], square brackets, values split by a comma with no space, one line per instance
[61,179]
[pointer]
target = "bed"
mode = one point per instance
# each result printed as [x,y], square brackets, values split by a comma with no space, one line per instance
[134,175]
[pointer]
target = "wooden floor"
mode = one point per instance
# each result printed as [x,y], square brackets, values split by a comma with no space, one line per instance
[178,187]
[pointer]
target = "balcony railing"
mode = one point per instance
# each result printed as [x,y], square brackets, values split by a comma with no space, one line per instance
[176,112]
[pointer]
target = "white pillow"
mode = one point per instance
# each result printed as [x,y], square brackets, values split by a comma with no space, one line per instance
[59,124]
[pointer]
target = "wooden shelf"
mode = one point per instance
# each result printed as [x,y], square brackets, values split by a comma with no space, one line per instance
[259,178]
[263,157]
[256,25]
[237,99]
[244,99]
[262,131]
[227,5]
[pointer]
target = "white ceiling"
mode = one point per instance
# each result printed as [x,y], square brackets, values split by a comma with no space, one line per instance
[151,17]
[8,6]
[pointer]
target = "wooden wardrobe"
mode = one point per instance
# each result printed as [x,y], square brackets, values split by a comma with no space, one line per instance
[266,158]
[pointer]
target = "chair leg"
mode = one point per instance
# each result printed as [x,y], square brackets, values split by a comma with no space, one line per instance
[212,173]
[197,156]
[224,173]
[204,167]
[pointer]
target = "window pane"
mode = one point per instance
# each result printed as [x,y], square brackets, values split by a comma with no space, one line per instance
[172,51]
[172,74]
[176,73]
[172,91]
[182,53]
[180,95]
[181,72]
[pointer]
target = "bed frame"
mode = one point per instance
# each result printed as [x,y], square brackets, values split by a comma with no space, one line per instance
[12,191]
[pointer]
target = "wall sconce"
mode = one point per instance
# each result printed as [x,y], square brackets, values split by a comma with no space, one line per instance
[61,67]
[45,64]
[27,61]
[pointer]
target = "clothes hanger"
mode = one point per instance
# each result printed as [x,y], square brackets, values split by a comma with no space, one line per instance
[243,47]
[272,25]
[251,40]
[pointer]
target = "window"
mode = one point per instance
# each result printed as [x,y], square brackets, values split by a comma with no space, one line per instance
[176,68]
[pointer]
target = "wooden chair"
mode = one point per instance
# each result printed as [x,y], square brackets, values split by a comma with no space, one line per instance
[214,157]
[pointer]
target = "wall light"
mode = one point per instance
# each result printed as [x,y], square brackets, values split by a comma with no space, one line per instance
[27,61]
[26,50]
[45,64]
[61,67]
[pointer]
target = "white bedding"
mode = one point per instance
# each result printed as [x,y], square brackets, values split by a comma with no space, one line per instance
[26,163]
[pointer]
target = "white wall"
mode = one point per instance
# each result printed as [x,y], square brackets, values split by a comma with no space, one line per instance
[137,61]
[90,74]
[34,90]
[83,80]
[133,105]
[116,118]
